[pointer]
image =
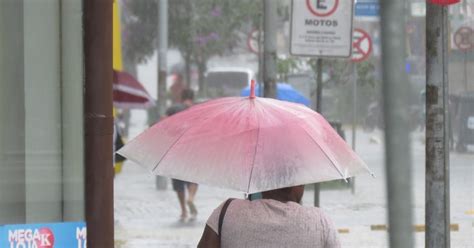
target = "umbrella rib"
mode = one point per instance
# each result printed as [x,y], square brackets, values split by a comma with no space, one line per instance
[325,153]
[176,141]
[169,148]
[254,155]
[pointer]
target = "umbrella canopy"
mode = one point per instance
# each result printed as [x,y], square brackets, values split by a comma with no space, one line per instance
[249,144]
[285,92]
[129,93]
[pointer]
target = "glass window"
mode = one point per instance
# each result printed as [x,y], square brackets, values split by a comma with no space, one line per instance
[41,137]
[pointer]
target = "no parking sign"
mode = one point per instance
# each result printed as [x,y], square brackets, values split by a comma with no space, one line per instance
[321,28]
[252,41]
[361,45]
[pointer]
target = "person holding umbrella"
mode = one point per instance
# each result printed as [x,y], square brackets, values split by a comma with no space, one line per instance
[277,220]
[252,144]
[180,186]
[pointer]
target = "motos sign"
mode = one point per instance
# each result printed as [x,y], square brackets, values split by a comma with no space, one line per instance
[321,28]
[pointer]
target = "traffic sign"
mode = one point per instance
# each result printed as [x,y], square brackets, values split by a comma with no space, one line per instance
[361,45]
[464,38]
[252,41]
[321,7]
[321,28]
[371,9]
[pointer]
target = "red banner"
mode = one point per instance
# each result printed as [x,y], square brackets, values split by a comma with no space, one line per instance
[444,2]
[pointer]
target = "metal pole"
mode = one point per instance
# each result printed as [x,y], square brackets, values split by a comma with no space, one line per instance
[162,54]
[319,109]
[319,86]
[437,136]
[269,48]
[98,122]
[260,52]
[397,142]
[354,104]
[162,182]
[465,71]
[354,117]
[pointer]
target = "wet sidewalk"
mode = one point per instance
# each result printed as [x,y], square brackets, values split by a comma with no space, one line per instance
[146,217]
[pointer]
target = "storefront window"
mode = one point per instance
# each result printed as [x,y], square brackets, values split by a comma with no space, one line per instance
[41,128]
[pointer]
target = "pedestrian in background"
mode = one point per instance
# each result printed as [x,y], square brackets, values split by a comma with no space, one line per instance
[187,100]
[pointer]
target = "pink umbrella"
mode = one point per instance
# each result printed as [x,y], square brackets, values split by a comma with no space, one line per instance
[129,93]
[249,144]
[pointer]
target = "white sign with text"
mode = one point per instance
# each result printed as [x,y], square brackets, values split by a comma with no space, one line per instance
[321,28]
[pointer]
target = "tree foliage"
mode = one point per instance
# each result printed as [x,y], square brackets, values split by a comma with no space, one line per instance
[286,66]
[200,29]
[139,24]
[342,71]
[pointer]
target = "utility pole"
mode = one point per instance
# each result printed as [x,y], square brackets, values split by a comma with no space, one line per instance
[162,182]
[162,54]
[319,109]
[437,136]
[397,141]
[269,48]
[99,173]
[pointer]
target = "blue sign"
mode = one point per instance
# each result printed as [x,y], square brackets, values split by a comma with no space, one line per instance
[367,9]
[48,235]
[407,67]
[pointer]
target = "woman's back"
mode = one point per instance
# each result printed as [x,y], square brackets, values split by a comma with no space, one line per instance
[271,223]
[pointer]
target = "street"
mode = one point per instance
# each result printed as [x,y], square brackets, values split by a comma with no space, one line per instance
[148,217]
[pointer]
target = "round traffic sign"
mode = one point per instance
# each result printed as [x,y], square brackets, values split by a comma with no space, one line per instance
[464,38]
[252,41]
[361,45]
[322,8]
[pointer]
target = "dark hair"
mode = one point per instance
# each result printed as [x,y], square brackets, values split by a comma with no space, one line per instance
[187,94]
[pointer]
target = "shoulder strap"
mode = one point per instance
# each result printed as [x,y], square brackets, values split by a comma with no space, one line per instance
[222,214]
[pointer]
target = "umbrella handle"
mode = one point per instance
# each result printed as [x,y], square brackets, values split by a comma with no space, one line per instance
[252,89]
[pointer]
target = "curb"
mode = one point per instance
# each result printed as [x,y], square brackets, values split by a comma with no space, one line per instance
[417,228]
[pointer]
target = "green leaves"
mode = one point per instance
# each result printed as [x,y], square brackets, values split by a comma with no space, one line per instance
[201,29]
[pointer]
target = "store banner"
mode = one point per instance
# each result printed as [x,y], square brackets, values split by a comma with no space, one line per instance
[47,235]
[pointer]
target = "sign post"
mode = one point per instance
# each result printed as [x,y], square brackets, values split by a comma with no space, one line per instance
[361,49]
[437,204]
[321,28]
